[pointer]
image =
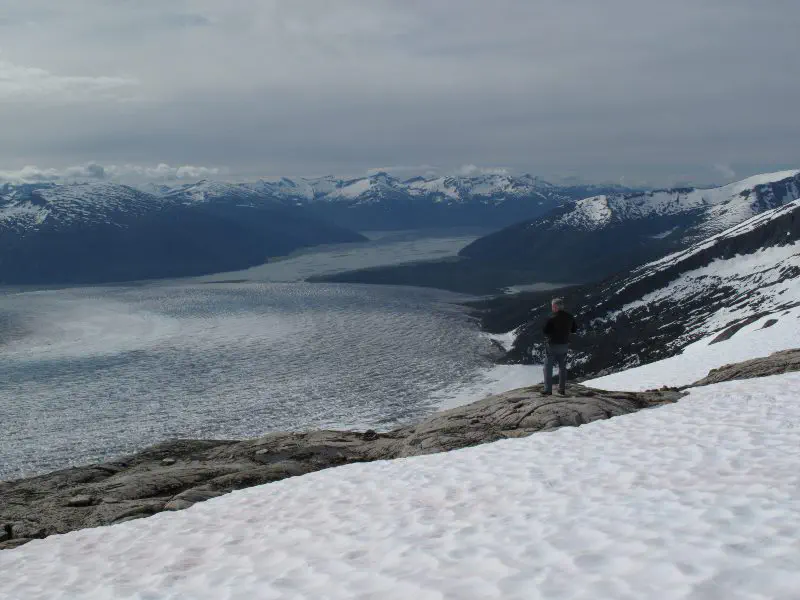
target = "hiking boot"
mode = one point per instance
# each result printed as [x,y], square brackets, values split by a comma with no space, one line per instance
[562,392]
[547,393]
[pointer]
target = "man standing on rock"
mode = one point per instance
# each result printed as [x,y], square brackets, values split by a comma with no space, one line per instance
[557,331]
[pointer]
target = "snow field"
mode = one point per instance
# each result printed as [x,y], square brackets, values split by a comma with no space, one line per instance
[697,500]
[742,228]
[752,341]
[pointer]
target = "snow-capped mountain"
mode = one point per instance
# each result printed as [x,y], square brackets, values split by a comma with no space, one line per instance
[34,207]
[721,207]
[745,276]
[372,188]
[381,201]
[597,236]
[97,232]
[205,191]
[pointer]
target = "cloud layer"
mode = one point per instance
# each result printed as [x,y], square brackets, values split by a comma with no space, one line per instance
[30,83]
[657,92]
[123,173]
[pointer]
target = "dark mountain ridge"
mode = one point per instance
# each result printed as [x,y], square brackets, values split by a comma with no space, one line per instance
[98,233]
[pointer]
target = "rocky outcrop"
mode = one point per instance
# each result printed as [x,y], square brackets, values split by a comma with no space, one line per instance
[177,474]
[774,364]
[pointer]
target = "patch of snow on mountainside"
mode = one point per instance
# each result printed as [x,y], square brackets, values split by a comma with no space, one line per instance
[492,184]
[506,185]
[352,189]
[664,234]
[446,186]
[286,188]
[759,220]
[208,191]
[738,187]
[723,207]
[722,294]
[23,212]
[755,340]
[589,213]
[322,186]
[694,500]
[365,189]
[761,279]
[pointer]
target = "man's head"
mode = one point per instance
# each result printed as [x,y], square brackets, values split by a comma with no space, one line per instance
[557,304]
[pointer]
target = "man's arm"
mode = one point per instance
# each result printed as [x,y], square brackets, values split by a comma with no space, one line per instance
[548,327]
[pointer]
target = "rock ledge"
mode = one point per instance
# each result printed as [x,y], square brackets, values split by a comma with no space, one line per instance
[176,474]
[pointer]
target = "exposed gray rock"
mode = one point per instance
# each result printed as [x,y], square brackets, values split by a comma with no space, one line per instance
[192,496]
[145,483]
[79,501]
[774,364]
[26,528]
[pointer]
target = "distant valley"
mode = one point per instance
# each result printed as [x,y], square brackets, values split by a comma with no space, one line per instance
[593,238]
[106,232]
[386,203]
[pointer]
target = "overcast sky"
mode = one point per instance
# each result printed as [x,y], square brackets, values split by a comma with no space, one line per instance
[639,91]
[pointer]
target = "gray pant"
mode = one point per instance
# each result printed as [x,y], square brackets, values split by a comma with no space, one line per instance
[555,353]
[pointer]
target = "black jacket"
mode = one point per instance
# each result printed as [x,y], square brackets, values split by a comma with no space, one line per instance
[559,326]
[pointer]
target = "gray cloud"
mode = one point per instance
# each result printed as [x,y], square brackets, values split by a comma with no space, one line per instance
[123,173]
[725,170]
[26,83]
[405,170]
[469,170]
[33,174]
[653,92]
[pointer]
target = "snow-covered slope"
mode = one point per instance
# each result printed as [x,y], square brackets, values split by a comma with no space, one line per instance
[758,339]
[714,291]
[598,236]
[59,207]
[206,191]
[695,500]
[721,207]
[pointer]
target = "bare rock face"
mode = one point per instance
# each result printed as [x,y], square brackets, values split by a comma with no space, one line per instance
[177,474]
[774,364]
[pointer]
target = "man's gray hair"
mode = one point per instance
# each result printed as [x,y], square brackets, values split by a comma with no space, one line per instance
[557,303]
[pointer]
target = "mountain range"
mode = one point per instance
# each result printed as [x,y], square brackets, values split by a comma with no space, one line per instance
[103,232]
[595,237]
[589,239]
[383,202]
[100,232]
